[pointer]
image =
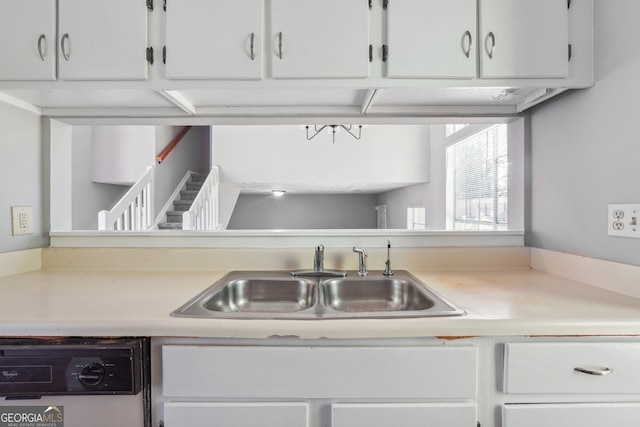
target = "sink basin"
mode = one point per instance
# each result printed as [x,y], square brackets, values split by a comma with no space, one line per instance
[253,294]
[380,294]
[278,295]
[263,296]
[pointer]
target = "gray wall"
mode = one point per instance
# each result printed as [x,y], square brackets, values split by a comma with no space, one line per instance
[431,196]
[585,148]
[338,211]
[88,197]
[21,182]
[414,196]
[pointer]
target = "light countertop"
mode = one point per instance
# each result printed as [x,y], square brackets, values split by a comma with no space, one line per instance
[498,302]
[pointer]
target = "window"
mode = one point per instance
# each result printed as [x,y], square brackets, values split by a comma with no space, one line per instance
[451,129]
[477,181]
[416,219]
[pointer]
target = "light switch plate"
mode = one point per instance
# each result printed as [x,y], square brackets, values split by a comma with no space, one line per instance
[22,220]
[624,220]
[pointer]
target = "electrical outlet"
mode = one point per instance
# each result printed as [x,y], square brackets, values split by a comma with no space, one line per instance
[624,220]
[22,220]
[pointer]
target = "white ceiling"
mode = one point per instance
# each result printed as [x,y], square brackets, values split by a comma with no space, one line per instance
[292,101]
[262,158]
[322,187]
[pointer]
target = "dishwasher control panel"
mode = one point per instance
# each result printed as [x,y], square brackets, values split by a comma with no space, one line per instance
[68,367]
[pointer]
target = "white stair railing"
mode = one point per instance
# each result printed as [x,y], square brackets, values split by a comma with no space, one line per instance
[134,211]
[204,212]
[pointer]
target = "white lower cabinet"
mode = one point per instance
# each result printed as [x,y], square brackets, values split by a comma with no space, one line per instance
[229,414]
[572,415]
[572,368]
[318,386]
[404,415]
[571,384]
[431,382]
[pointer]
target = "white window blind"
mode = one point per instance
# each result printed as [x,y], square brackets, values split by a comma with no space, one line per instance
[477,187]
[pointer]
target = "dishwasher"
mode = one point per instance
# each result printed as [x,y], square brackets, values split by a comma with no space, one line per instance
[74,382]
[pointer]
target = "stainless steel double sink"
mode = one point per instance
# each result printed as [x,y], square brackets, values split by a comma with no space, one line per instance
[278,295]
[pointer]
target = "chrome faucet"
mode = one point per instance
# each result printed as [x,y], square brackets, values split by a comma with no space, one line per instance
[387,265]
[318,266]
[318,259]
[362,267]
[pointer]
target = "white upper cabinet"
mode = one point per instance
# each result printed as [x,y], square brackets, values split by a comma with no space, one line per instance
[214,39]
[28,39]
[431,38]
[524,38]
[319,39]
[101,40]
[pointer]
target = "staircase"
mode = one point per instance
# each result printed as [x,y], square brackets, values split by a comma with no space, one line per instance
[187,194]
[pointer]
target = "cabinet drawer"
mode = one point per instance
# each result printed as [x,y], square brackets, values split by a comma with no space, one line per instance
[319,372]
[405,415]
[572,415]
[572,368]
[206,414]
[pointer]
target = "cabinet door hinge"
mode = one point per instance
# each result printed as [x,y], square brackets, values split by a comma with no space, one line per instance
[385,4]
[570,53]
[150,55]
[164,54]
[150,5]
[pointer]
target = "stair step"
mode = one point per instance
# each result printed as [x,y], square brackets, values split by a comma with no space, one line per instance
[188,194]
[174,216]
[194,187]
[170,226]
[182,205]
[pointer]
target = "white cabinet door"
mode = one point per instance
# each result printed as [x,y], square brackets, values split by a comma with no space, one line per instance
[319,372]
[431,38]
[572,415]
[524,38]
[102,40]
[403,415]
[214,39]
[229,414]
[319,39]
[27,39]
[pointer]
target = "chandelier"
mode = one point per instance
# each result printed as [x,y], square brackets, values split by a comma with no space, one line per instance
[353,130]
